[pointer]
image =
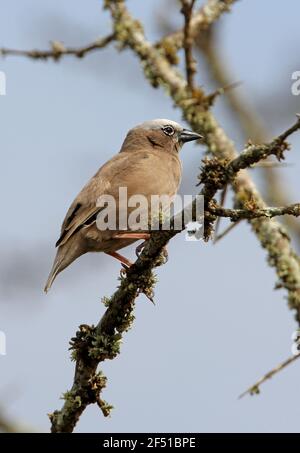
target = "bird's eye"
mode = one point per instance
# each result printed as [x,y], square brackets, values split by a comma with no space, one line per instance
[168,130]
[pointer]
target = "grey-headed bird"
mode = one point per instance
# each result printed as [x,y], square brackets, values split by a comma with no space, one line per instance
[147,164]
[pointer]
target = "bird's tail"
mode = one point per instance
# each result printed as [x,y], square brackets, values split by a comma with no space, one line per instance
[66,254]
[56,269]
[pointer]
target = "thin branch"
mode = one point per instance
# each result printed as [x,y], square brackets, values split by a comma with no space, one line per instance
[211,98]
[209,44]
[226,231]
[239,214]
[255,389]
[190,63]
[58,50]
[201,20]
[255,153]
[218,221]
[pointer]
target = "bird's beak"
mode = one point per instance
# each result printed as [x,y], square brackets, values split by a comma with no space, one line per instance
[188,136]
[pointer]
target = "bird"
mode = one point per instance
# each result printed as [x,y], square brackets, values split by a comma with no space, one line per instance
[147,164]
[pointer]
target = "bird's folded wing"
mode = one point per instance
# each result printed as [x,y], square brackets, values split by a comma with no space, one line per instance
[79,216]
[141,172]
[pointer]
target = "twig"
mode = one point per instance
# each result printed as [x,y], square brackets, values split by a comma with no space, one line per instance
[201,20]
[220,91]
[58,50]
[218,221]
[226,231]
[190,63]
[255,153]
[255,389]
[239,214]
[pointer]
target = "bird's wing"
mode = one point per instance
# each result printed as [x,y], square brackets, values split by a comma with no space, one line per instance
[140,172]
[79,215]
[84,208]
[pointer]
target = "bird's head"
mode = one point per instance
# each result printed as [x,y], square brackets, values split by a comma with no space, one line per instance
[160,133]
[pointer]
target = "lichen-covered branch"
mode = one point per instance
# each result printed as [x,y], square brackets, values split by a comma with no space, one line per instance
[255,153]
[159,71]
[275,188]
[94,344]
[207,15]
[190,64]
[239,214]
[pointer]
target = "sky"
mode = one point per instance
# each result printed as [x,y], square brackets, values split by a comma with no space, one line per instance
[217,325]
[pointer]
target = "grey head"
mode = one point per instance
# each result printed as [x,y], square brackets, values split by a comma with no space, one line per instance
[168,128]
[165,135]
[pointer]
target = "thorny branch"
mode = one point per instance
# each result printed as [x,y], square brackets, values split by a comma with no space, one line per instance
[94,344]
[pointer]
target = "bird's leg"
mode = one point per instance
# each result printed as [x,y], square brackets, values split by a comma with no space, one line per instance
[129,235]
[145,236]
[120,258]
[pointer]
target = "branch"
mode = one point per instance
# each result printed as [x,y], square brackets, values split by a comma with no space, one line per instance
[207,14]
[209,43]
[158,70]
[255,389]
[92,345]
[238,214]
[187,11]
[58,50]
[256,153]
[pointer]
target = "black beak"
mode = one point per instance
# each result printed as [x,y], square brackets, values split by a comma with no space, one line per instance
[188,136]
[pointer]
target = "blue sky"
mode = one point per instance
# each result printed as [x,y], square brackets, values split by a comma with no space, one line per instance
[217,325]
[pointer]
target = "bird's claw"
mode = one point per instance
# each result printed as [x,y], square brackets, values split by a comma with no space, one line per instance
[165,254]
[139,248]
[124,269]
